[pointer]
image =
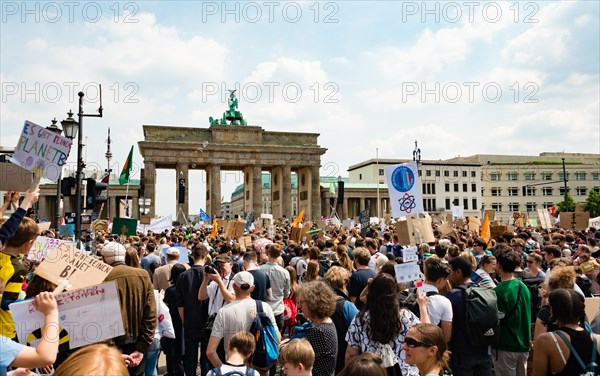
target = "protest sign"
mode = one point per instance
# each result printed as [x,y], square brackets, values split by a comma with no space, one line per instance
[66,231]
[491,214]
[238,229]
[405,232]
[446,228]
[533,222]
[14,178]
[458,212]
[474,224]
[184,257]
[124,226]
[422,230]
[545,220]
[86,316]
[42,246]
[295,234]
[407,272]
[409,254]
[497,230]
[577,221]
[364,220]
[404,188]
[42,151]
[245,241]
[43,226]
[66,261]
[100,225]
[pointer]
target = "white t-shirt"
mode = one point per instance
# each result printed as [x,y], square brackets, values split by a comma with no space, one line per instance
[373,261]
[439,307]
[237,316]
[216,300]
[226,368]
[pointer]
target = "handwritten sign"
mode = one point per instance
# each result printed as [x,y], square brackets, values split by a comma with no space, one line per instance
[407,272]
[40,149]
[42,246]
[89,315]
[68,262]
[43,226]
[409,254]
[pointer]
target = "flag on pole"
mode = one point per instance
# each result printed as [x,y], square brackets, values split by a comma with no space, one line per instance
[298,219]
[331,187]
[124,178]
[485,229]
[203,216]
[106,178]
[215,228]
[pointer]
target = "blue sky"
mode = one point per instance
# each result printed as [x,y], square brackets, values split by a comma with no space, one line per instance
[370,74]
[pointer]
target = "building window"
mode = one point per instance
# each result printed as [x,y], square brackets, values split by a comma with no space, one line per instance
[359,176]
[531,206]
[547,204]
[447,187]
[513,176]
[513,207]
[427,172]
[547,191]
[474,202]
[464,174]
[529,191]
[595,175]
[466,203]
[455,187]
[495,176]
[455,173]
[496,191]
[433,188]
[561,176]
[437,172]
[596,189]
[381,172]
[513,191]
[581,191]
[529,176]
[446,173]
[473,187]
[562,190]
[473,174]
[497,206]
[465,187]
[580,176]
[547,176]
[447,204]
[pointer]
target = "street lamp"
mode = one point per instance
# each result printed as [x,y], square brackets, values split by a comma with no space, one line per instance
[55,129]
[108,156]
[70,126]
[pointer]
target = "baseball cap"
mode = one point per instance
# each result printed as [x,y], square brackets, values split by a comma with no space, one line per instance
[172,251]
[243,280]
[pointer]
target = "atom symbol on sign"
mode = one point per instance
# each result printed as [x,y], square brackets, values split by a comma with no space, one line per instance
[407,203]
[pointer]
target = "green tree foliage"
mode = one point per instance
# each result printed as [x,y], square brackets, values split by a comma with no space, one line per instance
[560,206]
[592,204]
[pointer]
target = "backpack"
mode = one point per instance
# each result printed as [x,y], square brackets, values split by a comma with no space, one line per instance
[217,372]
[483,320]
[408,299]
[584,284]
[267,344]
[592,367]
[533,285]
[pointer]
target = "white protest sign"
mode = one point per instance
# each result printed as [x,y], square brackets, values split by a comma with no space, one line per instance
[86,316]
[67,262]
[458,212]
[409,254]
[41,150]
[404,187]
[407,272]
[42,246]
[184,256]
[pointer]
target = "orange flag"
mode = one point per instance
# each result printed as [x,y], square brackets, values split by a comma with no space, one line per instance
[485,229]
[298,219]
[215,228]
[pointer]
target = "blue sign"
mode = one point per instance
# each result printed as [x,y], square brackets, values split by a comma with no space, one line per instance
[403,179]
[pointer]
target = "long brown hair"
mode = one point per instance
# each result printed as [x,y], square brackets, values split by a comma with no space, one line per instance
[382,304]
[433,334]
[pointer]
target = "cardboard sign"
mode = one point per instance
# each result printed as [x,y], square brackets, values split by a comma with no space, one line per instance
[79,269]
[14,178]
[496,231]
[295,234]
[43,226]
[245,241]
[124,226]
[100,225]
[422,230]
[446,228]
[407,272]
[577,221]
[42,246]
[474,224]
[545,220]
[238,229]
[41,150]
[89,315]
[404,230]
[409,254]
[592,305]
[491,214]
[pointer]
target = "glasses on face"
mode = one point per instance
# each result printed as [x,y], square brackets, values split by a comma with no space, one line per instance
[412,343]
[530,261]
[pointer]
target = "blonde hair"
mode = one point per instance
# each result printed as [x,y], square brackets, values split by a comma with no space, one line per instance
[337,277]
[94,360]
[471,258]
[297,351]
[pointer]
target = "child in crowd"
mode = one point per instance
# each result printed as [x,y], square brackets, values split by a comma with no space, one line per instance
[241,346]
[297,358]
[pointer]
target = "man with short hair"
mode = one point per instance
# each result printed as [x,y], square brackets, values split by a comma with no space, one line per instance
[163,274]
[280,283]
[217,287]
[479,249]
[360,277]
[466,359]
[371,245]
[550,252]
[262,284]
[236,316]
[150,257]
[514,300]
[138,307]
[439,307]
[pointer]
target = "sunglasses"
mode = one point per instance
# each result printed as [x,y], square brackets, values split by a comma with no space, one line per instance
[412,343]
[530,261]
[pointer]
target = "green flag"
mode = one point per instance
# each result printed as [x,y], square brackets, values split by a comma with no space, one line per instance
[331,187]
[124,178]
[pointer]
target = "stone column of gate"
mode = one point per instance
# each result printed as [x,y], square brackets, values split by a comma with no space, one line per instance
[315,187]
[286,197]
[276,192]
[214,182]
[256,181]
[181,172]
[149,188]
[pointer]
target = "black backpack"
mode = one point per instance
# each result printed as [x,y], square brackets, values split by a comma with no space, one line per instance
[585,285]
[408,300]
[341,328]
[482,318]
[533,285]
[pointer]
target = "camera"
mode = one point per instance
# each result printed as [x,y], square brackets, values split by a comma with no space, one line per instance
[210,270]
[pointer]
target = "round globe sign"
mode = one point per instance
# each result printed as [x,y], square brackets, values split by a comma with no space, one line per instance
[403,179]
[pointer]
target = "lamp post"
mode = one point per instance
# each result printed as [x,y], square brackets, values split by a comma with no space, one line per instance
[377,175]
[55,129]
[108,156]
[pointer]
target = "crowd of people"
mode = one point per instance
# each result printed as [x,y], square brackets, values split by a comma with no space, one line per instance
[333,299]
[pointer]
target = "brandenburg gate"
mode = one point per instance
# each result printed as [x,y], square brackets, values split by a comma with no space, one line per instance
[238,147]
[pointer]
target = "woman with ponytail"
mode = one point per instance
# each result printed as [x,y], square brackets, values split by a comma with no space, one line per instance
[425,347]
